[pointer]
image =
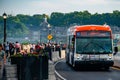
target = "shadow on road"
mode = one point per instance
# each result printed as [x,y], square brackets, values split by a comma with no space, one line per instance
[91,69]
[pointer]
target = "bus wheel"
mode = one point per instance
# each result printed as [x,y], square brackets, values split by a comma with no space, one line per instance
[107,68]
[67,61]
[75,67]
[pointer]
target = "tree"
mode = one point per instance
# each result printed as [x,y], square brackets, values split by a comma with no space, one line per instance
[56,19]
[20,24]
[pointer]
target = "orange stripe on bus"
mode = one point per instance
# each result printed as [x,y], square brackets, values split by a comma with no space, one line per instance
[92,27]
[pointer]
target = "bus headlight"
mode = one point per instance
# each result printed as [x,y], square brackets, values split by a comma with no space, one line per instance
[106,57]
[77,56]
[110,56]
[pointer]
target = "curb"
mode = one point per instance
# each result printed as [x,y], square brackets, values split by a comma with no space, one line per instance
[117,67]
[116,64]
[58,76]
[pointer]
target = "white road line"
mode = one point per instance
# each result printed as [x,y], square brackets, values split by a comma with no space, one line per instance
[57,72]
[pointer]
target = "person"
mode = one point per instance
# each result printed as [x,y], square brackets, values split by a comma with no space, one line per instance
[17,47]
[7,49]
[12,48]
[32,48]
[48,49]
[37,48]
[2,55]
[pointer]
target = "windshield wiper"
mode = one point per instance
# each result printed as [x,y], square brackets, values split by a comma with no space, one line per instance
[85,46]
[99,45]
[91,43]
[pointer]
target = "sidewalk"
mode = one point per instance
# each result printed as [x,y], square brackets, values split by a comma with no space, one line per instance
[11,72]
[117,60]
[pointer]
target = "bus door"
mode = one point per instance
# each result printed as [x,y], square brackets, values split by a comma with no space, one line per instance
[71,50]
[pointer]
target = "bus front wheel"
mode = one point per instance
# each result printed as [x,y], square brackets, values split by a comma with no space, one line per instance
[106,68]
[74,67]
[67,59]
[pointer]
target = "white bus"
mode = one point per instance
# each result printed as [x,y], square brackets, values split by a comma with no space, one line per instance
[90,46]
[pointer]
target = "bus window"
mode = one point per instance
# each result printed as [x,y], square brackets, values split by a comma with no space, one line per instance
[93,34]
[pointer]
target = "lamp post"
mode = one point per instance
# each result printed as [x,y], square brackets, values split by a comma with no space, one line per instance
[4,17]
[49,30]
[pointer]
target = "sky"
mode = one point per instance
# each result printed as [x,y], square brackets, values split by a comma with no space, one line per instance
[31,7]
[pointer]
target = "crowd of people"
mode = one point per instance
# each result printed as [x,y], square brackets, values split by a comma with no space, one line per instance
[8,49]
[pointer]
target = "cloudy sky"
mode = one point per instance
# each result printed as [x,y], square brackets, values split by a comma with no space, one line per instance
[31,7]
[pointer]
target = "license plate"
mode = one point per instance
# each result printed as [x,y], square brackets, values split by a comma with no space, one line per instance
[94,57]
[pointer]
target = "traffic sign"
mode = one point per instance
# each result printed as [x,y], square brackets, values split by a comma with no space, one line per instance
[49,37]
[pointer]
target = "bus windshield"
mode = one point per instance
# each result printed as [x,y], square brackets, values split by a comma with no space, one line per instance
[94,45]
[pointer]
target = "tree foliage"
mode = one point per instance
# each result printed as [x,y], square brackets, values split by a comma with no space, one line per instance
[20,25]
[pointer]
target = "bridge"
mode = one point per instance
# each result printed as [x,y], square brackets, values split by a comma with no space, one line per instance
[59,70]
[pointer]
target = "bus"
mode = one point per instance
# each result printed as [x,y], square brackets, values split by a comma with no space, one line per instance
[90,46]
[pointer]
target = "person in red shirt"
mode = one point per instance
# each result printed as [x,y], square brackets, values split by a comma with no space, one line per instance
[37,48]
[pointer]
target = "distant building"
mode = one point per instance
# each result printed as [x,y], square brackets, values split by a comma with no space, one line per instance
[44,30]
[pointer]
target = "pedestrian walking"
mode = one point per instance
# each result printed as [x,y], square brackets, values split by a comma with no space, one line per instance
[17,47]
[49,50]
[12,48]
[7,49]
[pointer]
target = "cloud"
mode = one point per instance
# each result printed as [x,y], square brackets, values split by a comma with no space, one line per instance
[49,6]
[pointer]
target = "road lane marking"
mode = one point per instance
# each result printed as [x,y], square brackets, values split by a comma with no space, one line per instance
[57,72]
[115,68]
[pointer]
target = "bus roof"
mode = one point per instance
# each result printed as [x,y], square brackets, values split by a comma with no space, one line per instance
[93,27]
[73,29]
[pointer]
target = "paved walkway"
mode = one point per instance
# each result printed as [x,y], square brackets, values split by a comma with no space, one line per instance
[11,73]
[1,70]
[117,60]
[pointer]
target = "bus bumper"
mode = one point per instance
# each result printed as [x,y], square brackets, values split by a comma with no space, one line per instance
[94,63]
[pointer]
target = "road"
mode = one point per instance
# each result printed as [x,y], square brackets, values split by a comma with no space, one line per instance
[91,74]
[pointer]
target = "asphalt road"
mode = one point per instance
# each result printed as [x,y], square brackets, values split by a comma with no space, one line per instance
[86,74]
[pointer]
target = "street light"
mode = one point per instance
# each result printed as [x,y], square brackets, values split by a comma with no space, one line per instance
[4,17]
[49,28]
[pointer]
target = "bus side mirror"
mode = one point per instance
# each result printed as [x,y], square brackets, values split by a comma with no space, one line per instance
[115,50]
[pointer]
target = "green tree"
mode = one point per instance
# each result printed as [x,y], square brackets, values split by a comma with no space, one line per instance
[56,19]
